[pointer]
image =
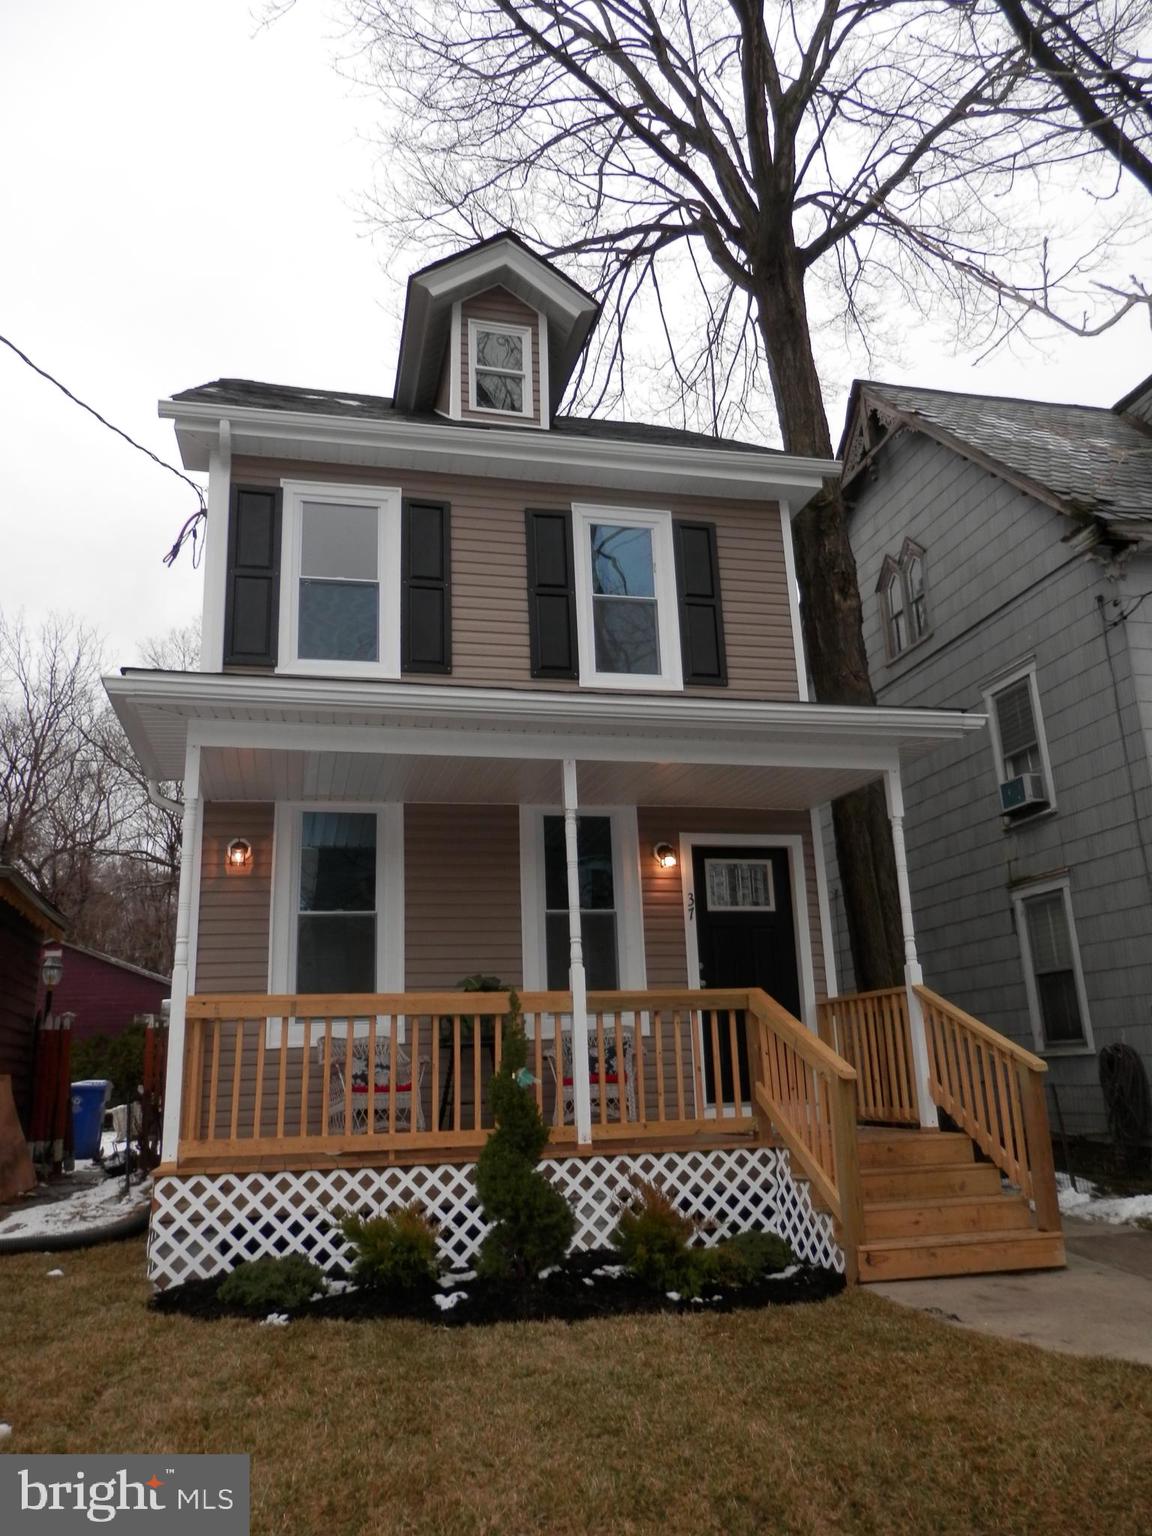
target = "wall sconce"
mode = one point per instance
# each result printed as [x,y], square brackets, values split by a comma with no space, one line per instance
[238,859]
[665,855]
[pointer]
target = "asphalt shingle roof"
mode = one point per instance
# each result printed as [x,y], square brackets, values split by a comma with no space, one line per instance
[1092,458]
[329,402]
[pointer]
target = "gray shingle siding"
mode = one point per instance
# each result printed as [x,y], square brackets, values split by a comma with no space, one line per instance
[1004,588]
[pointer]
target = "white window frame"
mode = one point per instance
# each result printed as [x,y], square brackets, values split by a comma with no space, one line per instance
[386,500]
[1020,896]
[999,685]
[285,904]
[506,329]
[631,964]
[671,674]
[895,571]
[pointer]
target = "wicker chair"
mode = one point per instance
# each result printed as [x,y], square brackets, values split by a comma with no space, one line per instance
[565,1082]
[343,1095]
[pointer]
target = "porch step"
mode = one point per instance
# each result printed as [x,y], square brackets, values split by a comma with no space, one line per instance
[968,1253]
[929,1181]
[943,1217]
[901,1149]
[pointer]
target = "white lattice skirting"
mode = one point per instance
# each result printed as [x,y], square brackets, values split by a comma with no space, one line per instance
[206,1223]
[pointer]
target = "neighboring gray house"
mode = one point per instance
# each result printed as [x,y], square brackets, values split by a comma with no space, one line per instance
[1004,553]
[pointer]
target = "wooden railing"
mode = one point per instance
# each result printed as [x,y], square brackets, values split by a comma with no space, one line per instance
[870,1030]
[808,1094]
[994,1091]
[282,1075]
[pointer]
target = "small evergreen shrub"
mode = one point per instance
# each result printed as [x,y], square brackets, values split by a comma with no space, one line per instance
[653,1239]
[395,1252]
[530,1223]
[272,1284]
[740,1261]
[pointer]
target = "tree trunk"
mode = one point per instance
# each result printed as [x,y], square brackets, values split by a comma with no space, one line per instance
[833,636]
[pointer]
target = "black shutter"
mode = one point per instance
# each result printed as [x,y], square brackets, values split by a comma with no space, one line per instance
[551,594]
[252,596]
[701,619]
[425,590]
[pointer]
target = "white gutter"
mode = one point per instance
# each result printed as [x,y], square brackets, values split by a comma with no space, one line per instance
[164,802]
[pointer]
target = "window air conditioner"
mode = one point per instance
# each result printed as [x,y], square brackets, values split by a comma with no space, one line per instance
[1023,793]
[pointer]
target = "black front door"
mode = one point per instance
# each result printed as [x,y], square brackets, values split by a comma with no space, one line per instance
[745,935]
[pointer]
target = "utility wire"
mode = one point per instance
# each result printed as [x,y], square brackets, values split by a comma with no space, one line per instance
[189,530]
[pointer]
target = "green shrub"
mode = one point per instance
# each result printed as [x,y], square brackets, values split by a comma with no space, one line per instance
[119,1058]
[393,1253]
[739,1261]
[653,1238]
[530,1223]
[272,1285]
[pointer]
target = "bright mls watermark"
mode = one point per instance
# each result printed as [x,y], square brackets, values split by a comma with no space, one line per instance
[185,1495]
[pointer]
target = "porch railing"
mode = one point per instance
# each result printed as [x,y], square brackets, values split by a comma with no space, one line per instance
[871,1031]
[994,1091]
[808,1094]
[347,1074]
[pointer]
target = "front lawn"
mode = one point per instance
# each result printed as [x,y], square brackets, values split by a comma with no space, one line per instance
[851,1416]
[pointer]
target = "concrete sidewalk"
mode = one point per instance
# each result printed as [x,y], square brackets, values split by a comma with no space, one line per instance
[1100,1305]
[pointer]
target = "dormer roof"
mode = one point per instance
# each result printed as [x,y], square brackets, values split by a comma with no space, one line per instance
[502,261]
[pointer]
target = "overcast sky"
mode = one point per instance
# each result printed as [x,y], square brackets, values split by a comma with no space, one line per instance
[180,199]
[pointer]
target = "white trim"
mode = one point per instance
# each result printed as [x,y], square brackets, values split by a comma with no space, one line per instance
[216,553]
[999,685]
[194,900]
[631,959]
[508,328]
[659,524]
[827,939]
[798,876]
[1020,896]
[192,831]
[501,451]
[794,602]
[470,267]
[386,500]
[454,403]
[545,384]
[284,904]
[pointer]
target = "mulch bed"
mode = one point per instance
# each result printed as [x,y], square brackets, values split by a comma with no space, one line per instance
[573,1293]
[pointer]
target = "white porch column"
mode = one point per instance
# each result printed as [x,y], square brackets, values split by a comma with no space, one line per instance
[580,1086]
[174,1072]
[913,975]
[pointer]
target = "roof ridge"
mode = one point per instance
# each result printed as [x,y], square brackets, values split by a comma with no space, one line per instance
[969,394]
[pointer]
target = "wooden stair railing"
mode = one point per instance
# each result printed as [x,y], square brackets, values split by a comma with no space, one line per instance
[870,1030]
[993,1090]
[808,1095]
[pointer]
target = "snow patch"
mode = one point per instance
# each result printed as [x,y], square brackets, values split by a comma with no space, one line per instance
[446,1303]
[457,1277]
[611,1271]
[672,1295]
[784,1274]
[55,1274]
[90,1201]
[274,1320]
[1089,1204]
[552,1269]
[5,1431]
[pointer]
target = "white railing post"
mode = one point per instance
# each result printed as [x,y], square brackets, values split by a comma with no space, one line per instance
[174,1070]
[581,1094]
[913,975]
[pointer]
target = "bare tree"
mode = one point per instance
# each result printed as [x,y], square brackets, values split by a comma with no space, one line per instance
[727,173]
[1091,52]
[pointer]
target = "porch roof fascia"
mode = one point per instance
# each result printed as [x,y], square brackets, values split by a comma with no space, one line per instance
[162,712]
[511,453]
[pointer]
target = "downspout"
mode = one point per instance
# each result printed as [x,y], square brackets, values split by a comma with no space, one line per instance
[164,802]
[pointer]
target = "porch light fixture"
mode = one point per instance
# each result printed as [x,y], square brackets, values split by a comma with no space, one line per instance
[665,855]
[51,968]
[238,860]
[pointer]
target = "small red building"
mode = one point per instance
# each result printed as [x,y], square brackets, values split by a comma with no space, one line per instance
[104,993]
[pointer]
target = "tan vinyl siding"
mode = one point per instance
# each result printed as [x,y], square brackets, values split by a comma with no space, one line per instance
[232,939]
[489,571]
[462,894]
[663,894]
[497,304]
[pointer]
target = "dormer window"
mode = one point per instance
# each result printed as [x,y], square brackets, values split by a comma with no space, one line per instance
[500,368]
[903,599]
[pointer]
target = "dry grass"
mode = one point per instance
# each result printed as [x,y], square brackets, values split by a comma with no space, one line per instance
[851,1417]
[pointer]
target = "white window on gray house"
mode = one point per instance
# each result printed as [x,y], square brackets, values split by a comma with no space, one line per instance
[903,599]
[336,916]
[1052,966]
[597,903]
[500,368]
[339,592]
[1021,753]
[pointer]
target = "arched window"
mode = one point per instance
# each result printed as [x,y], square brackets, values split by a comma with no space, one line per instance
[903,599]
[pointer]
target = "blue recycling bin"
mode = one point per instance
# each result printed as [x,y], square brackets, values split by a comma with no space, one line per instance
[88,1100]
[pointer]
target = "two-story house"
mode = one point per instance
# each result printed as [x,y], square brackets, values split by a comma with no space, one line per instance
[1004,553]
[492,690]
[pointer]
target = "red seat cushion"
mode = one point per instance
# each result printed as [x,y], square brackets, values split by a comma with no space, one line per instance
[381,1088]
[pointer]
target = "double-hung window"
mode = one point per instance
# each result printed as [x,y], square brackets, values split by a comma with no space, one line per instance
[626,591]
[337,903]
[597,903]
[500,370]
[903,599]
[1052,969]
[339,602]
[1019,746]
